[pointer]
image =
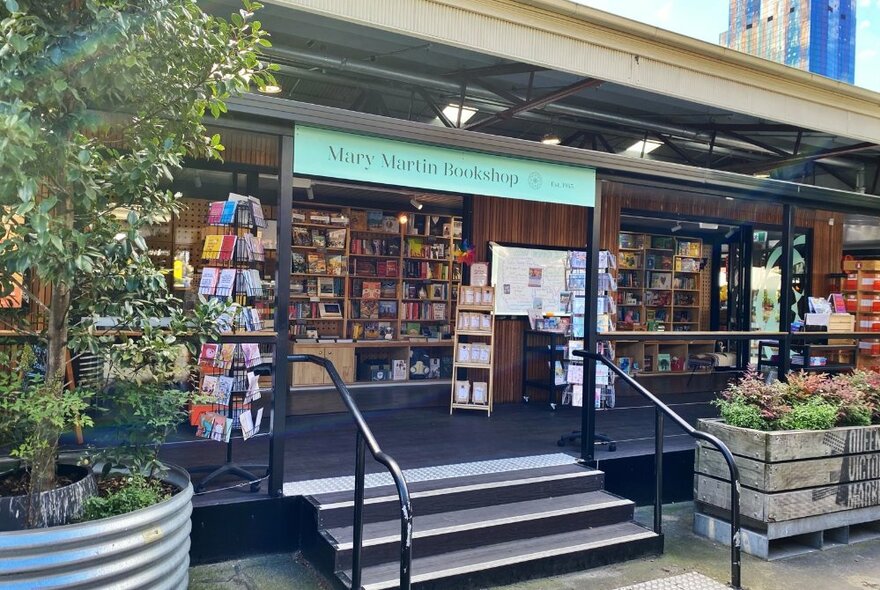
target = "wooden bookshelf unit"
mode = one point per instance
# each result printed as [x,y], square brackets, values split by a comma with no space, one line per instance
[367,287]
[658,282]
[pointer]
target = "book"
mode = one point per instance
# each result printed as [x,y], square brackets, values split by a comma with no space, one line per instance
[387,310]
[374,220]
[316,264]
[227,248]
[227,216]
[208,282]
[336,238]
[462,392]
[336,265]
[399,369]
[298,262]
[215,210]
[371,290]
[208,354]
[301,236]
[479,393]
[664,362]
[226,282]
[211,249]
[369,309]
[319,238]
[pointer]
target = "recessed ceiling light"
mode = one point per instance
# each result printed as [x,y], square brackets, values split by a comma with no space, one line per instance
[551,139]
[643,146]
[762,175]
[451,112]
[270,89]
[704,225]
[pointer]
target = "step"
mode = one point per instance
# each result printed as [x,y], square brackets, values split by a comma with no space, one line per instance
[511,561]
[430,497]
[464,529]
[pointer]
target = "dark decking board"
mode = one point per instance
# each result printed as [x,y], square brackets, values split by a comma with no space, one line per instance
[323,446]
[493,559]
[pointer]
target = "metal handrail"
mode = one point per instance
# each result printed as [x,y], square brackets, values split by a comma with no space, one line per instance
[366,440]
[659,410]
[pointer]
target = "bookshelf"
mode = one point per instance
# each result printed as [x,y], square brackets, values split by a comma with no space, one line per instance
[659,280]
[861,294]
[473,349]
[361,277]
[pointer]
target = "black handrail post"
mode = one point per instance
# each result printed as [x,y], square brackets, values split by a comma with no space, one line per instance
[366,440]
[358,536]
[661,408]
[658,471]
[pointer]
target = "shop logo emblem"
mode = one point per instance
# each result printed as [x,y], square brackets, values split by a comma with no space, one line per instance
[535,180]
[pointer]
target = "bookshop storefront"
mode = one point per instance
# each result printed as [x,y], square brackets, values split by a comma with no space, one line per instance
[456,271]
[407,259]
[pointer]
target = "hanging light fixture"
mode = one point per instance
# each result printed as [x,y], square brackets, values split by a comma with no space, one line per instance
[417,204]
[270,89]
[676,227]
[551,139]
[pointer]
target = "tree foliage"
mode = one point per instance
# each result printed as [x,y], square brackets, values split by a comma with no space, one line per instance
[100,102]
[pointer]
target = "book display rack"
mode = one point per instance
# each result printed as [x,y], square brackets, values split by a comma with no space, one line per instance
[473,349]
[659,280]
[229,372]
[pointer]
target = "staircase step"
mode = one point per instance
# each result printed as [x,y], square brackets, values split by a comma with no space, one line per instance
[499,563]
[430,497]
[464,529]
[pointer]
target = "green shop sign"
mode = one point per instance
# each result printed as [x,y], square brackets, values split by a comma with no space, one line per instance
[335,154]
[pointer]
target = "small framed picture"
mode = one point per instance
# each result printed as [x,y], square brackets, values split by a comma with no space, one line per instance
[330,310]
[462,392]
[480,389]
[488,298]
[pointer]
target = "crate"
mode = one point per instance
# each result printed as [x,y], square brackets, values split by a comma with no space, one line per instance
[841,322]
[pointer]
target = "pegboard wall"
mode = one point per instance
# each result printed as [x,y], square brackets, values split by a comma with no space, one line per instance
[706,288]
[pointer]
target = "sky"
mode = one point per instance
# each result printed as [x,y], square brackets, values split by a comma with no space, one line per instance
[706,19]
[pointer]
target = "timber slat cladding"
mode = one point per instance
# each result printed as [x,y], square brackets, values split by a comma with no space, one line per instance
[521,222]
[773,447]
[791,505]
[790,475]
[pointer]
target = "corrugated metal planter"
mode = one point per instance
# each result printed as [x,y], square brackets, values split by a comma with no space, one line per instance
[50,508]
[148,548]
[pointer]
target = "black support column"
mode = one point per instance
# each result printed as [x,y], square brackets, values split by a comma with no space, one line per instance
[785,296]
[588,411]
[281,389]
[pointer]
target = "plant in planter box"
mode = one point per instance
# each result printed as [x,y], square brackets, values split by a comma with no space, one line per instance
[100,102]
[806,401]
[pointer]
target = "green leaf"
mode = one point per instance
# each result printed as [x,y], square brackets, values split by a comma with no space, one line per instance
[59,85]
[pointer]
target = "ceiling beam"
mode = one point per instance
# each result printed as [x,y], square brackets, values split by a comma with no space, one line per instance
[535,103]
[681,153]
[754,167]
[435,109]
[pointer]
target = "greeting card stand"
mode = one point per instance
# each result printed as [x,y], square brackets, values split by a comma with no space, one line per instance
[246,219]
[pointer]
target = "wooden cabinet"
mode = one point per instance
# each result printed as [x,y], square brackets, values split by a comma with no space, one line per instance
[342,358]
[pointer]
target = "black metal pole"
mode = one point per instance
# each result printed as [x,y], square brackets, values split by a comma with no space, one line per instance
[591,317]
[785,295]
[358,533]
[281,390]
[658,471]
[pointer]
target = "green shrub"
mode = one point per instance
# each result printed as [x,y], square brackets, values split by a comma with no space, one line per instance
[737,411]
[813,414]
[136,492]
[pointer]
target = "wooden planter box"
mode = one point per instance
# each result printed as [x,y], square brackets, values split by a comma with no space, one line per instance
[800,489]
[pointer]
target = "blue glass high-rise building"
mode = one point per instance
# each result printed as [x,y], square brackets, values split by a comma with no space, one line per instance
[814,35]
